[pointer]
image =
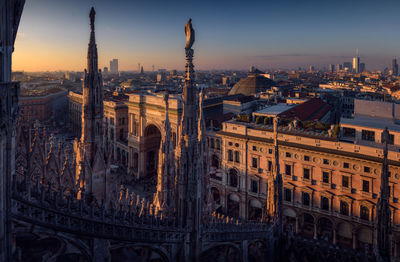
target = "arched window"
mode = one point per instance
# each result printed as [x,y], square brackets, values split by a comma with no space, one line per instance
[324,203]
[344,208]
[364,213]
[218,144]
[215,161]
[233,178]
[237,157]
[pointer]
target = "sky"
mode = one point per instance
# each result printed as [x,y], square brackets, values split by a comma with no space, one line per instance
[232,35]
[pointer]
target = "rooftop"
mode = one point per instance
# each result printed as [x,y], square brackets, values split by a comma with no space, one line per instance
[371,122]
[274,110]
[27,92]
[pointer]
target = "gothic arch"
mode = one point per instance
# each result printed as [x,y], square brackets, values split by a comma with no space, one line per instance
[257,251]
[139,252]
[222,252]
[46,246]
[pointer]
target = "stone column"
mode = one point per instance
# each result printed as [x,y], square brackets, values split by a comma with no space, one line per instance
[354,235]
[334,240]
[245,255]
[315,230]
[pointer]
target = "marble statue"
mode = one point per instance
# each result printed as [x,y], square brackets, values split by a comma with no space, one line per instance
[189,32]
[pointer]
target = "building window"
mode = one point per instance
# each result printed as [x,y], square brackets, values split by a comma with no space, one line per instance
[365,185]
[288,170]
[349,132]
[236,145]
[367,169]
[254,148]
[305,199]
[306,173]
[254,186]
[230,155]
[344,208]
[306,158]
[237,157]
[324,203]
[287,194]
[346,165]
[269,151]
[368,135]
[254,162]
[326,161]
[289,155]
[218,144]
[212,143]
[345,181]
[233,178]
[364,213]
[269,166]
[230,143]
[325,177]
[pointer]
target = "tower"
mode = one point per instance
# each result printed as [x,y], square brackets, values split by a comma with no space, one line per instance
[356,63]
[189,167]
[383,222]
[10,15]
[90,159]
[114,66]
[395,67]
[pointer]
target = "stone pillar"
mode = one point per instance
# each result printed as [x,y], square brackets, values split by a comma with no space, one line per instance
[101,250]
[315,230]
[245,250]
[141,164]
[334,240]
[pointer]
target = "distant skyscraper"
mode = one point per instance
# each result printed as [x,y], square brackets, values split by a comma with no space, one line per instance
[312,69]
[105,70]
[395,67]
[347,66]
[356,63]
[114,66]
[339,67]
[138,67]
[141,70]
[362,67]
[331,68]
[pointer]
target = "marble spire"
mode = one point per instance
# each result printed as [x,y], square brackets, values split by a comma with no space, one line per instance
[383,222]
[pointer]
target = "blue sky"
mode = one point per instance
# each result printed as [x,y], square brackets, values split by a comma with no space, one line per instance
[54,34]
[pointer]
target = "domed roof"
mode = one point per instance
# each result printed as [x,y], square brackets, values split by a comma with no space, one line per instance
[252,84]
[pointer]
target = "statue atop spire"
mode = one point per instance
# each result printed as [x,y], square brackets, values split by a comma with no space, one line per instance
[189,32]
[92,16]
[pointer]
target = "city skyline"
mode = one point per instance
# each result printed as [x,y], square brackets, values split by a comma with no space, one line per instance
[234,35]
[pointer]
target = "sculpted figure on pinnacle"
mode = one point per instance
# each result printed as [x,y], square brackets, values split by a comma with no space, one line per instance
[189,32]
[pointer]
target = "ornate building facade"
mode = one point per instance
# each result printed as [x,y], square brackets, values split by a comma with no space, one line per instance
[330,188]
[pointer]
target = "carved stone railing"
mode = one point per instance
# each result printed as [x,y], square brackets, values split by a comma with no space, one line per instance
[222,228]
[48,208]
